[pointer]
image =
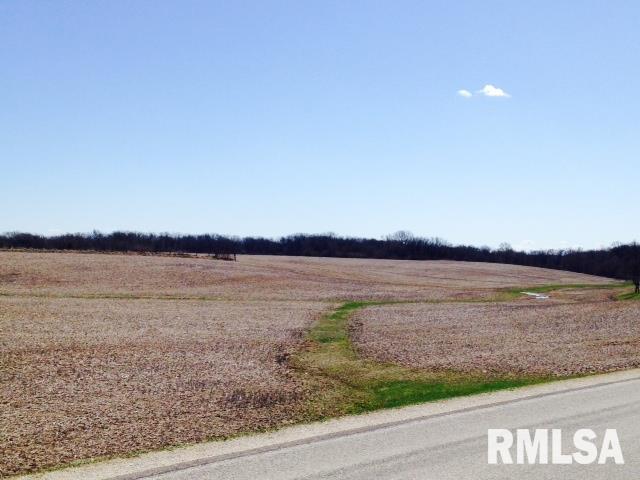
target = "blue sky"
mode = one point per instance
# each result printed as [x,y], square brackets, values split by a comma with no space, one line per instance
[269,118]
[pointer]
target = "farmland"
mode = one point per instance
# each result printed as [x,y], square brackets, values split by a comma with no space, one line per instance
[106,355]
[81,374]
[503,338]
[262,277]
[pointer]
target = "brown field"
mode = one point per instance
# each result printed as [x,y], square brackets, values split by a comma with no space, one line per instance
[263,277]
[85,378]
[108,354]
[524,337]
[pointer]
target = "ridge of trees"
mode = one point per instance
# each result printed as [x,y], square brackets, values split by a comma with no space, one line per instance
[620,261]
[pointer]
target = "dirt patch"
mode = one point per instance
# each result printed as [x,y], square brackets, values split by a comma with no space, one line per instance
[518,337]
[87,378]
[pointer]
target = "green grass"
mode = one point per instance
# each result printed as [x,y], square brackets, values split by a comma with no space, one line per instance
[628,296]
[512,293]
[333,327]
[396,393]
[351,384]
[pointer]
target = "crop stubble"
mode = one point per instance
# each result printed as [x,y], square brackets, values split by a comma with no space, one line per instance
[184,349]
[524,337]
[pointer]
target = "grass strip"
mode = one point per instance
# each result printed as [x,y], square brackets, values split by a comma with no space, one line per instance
[351,384]
[513,293]
[628,296]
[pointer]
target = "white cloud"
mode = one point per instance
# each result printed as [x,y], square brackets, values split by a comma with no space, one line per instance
[465,93]
[492,91]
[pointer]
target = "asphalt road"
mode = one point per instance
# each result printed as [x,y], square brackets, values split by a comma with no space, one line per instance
[451,445]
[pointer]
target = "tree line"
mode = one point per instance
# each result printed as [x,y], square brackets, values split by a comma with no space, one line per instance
[619,261]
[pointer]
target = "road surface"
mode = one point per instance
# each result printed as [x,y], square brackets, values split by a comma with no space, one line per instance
[451,446]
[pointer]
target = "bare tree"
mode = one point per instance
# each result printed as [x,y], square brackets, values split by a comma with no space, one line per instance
[634,270]
[402,236]
[629,256]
